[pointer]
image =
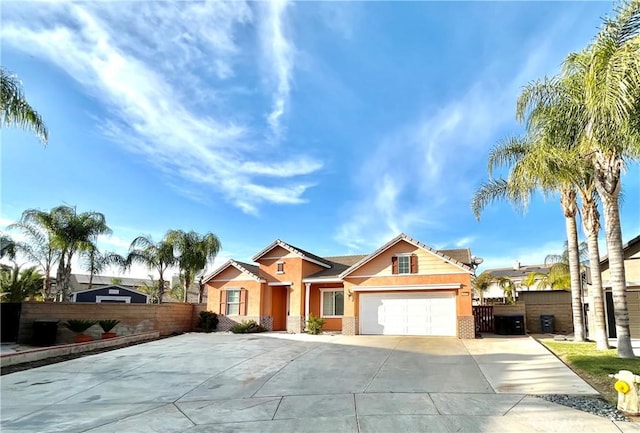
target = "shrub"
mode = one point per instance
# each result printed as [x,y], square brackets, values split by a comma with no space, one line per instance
[208,321]
[108,325]
[314,325]
[79,325]
[247,327]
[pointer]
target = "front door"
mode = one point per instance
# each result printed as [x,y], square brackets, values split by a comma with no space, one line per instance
[279,307]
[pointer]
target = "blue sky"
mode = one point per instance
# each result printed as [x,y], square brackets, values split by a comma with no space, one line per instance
[330,125]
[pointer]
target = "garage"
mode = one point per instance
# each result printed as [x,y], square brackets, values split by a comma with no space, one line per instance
[408,313]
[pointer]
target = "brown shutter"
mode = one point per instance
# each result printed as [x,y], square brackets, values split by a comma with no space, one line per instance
[243,302]
[414,264]
[223,302]
[394,265]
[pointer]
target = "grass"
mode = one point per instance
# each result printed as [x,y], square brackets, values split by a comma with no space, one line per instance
[594,366]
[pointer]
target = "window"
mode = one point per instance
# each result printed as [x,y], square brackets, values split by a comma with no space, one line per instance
[280,268]
[233,302]
[332,303]
[404,264]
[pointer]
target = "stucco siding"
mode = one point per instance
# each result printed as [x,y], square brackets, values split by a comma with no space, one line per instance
[428,263]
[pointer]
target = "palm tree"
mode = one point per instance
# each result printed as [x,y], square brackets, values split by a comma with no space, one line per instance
[534,166]
[193,253]
[14,108]
[156,256]
[509,289]
[73,233]
[7,247]
[609,70]
[38,247]
[481,284]
[96,262]
[17,285]
[531,280]
[559,276]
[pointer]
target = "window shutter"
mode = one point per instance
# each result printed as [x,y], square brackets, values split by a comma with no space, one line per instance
[243,302]
[414,264]
[223,302]
[394,265]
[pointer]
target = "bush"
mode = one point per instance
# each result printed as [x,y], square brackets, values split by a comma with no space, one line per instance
[108,325]
[314,325]
[79,325]
[208,321]
[247,327]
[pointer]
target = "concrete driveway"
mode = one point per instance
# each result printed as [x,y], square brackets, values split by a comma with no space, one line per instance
[299,383]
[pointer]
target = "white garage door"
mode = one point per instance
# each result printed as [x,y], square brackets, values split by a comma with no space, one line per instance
[408,314]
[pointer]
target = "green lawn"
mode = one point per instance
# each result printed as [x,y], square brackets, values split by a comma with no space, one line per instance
[592,365]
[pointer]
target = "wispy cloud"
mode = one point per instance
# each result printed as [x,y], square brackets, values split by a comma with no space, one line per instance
[425,168]
[156,78]
[279,52]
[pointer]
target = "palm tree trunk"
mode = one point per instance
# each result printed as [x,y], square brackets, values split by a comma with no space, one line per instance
[160,288]
[60,277]
[591,225]
[608,186]
[569,206]
[187,283]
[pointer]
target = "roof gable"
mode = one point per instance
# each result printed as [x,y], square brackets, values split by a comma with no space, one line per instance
[403,237]
[305,255]
[250,270]
[111,286]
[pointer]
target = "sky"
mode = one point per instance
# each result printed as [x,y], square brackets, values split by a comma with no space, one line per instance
[333,126]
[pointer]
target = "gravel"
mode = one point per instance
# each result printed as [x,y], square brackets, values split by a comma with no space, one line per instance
[595,405]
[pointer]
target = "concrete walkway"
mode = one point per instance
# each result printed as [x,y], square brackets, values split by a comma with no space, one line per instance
[301,383]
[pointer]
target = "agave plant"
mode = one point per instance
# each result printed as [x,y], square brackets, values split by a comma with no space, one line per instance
[108,325]
[80,325]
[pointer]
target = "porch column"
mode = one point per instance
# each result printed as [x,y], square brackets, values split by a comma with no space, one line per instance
[307,291]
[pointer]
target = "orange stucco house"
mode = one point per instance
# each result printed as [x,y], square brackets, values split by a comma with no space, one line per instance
[402,288]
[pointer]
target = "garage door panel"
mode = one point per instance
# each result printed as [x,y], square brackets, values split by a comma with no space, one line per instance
[408,314]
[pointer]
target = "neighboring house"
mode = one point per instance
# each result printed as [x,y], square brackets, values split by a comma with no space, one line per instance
[79,282]
[110,294]
[517,273]
[402,288]
[631,252]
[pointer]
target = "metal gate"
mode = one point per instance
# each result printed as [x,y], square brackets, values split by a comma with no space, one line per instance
[483,317]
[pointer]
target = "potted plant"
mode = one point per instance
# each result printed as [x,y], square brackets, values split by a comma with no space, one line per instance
[79,326]
[107,326]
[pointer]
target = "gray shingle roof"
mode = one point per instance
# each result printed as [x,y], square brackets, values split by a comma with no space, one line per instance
[521,272]
[339,264]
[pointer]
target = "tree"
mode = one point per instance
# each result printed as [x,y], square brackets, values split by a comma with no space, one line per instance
[38,247]
[531,280]
[96,262]
[509,289]
[7,247]
[72,233]
[481,284]
[15,110]
[609,70]
[193,253]
[533,165]
[559,275]
[17,285]
[157,256]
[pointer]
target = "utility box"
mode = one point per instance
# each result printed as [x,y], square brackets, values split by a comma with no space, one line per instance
[547,324]
[45,332]
[628,392]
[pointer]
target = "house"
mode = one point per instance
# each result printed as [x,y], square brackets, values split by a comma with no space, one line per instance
[110,294]
[516,273]
[631,253]
[403,288]
[80,282]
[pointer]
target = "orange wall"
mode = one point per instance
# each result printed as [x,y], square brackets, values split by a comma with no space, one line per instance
[331,323]
[237,280]
[295,269]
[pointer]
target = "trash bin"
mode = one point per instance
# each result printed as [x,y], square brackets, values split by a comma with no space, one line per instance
[509,325]
[45,332]
[547,323]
